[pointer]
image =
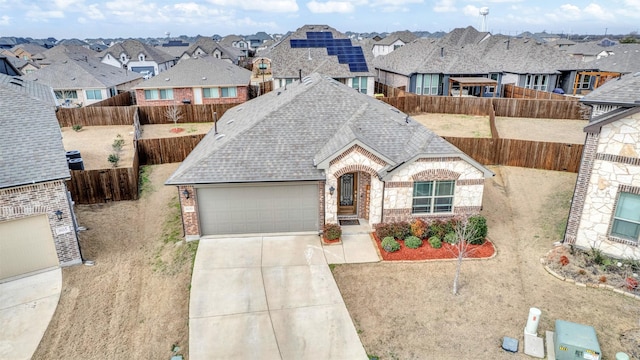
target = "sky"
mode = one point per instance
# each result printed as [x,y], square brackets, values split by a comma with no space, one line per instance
[155,18]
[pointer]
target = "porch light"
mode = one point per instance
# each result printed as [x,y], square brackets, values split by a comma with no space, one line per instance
[58,214]
[331,190]
[185,192]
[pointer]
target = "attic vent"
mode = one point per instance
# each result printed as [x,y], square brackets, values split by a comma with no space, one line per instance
[204,78]
[230,121]
[17,79]
[166,79]
[15,82]
[636,74]
[307,80]
[219,136]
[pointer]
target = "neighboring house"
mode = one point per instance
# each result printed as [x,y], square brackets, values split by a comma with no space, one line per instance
[588,51]
[623,58]
[425,66]
[23,66]
[74,42]
[37,228]
[138,57]
[7,67]
[392,42]
[80,80]
[204,80]
[316,152]
[207,46]
[237,42]
[605,210]
[27,51]
[321,49]
[256,40]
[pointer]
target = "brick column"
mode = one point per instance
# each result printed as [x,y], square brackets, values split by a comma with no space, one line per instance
[189,208]
[582,184]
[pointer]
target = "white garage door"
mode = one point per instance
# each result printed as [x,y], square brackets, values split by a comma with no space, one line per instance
[263,208]
[26,245]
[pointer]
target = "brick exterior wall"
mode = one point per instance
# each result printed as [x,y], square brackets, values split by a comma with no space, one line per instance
[44,198]
[321,204]
[189,208]
[180,94]
[582,184]
[364,185]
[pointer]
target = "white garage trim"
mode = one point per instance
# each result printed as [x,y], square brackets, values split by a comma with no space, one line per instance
[26,246]
[258,208]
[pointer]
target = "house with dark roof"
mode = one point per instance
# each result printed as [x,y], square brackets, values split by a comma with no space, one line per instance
[605,210]
[425,66]
[202,80]
[27,51]
[392,42]
[321,49]
[7,67]
[315,152]
[237,42]
[37,229]
[79,79]
[138,57]
[207,46]
[257,39]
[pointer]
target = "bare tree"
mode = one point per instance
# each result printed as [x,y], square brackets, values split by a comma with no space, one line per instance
[465,232]
[174,113]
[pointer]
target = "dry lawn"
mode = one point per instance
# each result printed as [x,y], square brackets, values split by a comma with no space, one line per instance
[552,130]
[407,311]
[134,302]
[95,145]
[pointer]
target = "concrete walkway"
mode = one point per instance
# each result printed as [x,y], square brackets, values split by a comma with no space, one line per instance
[26,308]
[270,298]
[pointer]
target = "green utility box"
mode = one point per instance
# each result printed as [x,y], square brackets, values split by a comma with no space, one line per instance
[575,341]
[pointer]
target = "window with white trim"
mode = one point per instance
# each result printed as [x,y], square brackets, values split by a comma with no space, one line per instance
[65,94]
[94,94]
[158,94]
[360,83]
[626,218]
[431,197]
[537,82]
[427,84]
[584,82]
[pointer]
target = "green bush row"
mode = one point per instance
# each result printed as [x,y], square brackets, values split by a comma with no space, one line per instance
[438,228]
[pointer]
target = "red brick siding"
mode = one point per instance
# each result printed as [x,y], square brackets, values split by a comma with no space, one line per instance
[189,219]
[44,198]
[364,180]
[180,94]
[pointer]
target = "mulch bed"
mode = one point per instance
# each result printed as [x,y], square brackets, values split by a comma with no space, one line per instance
[426,252]
[176,130]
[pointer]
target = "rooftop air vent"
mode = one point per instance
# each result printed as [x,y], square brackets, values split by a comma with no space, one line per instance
[166,79]
[219,136]
[230,121]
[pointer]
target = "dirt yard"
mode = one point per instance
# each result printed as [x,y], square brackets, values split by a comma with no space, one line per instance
[164,130]
[95,145]
[553,130]
[407,311]
[134,302]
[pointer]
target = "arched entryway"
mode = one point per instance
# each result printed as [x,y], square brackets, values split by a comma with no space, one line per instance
[353,193]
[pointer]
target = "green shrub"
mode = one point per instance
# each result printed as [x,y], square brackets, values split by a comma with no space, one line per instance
[113,159]
[451,238]
[76,128]
[332,231]
[479,226]
[389,244]
[418,228]
[413,242]
[435,242]
[398,230]
[383,231]
[436,228]
[118,143]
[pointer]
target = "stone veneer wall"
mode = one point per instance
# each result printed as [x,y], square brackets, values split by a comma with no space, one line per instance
[189,208]
[355,159]
[616,168]
[398,193]
[44,198]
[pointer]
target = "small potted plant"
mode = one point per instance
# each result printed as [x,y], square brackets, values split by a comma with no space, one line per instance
[331,233]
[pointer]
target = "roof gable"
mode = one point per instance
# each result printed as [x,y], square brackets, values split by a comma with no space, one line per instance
[199,72]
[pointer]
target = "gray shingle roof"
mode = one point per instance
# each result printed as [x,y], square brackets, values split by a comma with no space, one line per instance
[625,90]
[404,36]
[81,74]
[279,136]
[133,48]
[624,59]
[199,72]
[287,62]
[31,150]
[41,92]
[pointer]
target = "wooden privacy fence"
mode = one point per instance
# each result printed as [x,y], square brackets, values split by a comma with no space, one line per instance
[167,150]
[122,99]
[96,116]
[517,92]
[526,108]
[522,153]
[190,113]
[98,186]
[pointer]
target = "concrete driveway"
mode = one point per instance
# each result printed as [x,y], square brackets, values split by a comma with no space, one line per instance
[269,298]
[26,308]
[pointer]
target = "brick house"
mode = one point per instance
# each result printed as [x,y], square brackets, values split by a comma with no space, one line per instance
[605,210]
[317,152]
[202,80]
[37,229]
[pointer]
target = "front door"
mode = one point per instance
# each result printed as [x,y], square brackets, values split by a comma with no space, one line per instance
[347,189]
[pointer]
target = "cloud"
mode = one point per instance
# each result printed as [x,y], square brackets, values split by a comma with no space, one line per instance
[445,6]
[277,6]
[598,12]
[328,7]
[5,20]
[37,14]
[471,10]
[93,12]
[63,4]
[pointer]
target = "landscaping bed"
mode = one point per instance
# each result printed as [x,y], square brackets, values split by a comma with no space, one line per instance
[427,252]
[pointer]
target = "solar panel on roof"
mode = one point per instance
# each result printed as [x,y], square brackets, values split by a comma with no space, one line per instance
[345,51]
